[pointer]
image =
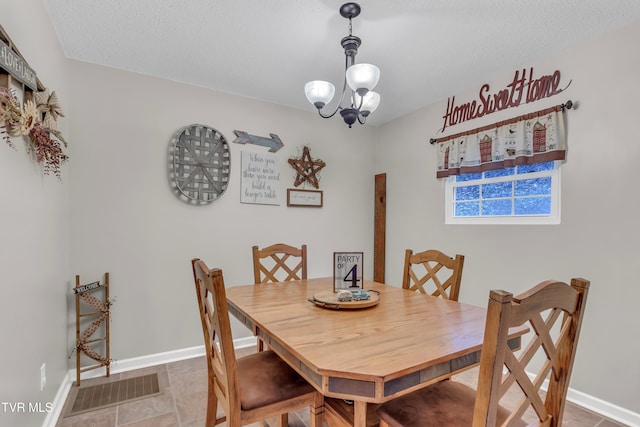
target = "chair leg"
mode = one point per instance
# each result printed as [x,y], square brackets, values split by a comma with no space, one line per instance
[316,416]
[212,406]
[283,420]
[260,346]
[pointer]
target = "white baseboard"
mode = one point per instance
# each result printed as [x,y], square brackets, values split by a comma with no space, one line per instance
[118,366]
[584,400]
[604,408]
[58,401]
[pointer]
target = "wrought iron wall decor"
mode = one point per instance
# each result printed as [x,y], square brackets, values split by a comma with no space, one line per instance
[523,89]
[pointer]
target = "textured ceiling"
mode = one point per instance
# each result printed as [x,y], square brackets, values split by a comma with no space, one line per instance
[268,49]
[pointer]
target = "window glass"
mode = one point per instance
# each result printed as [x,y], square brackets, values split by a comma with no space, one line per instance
[538,167]
[526,194]
[468,177]
[499,172]
[468,209]
[532,206]
[497,207]
[530,187]
[470,192]
[498,189]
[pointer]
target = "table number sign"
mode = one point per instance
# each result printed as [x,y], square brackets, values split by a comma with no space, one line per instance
[347,270]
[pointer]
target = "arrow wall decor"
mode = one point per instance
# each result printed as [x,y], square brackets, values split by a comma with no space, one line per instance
[274,143]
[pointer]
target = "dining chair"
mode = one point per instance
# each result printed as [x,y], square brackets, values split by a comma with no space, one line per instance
[251,388]
[435,270]
[279,263]
[552,311]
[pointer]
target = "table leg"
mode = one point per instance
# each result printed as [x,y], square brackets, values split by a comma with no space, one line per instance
[359,413]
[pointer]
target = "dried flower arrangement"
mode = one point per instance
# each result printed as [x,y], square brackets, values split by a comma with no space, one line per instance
[37,121]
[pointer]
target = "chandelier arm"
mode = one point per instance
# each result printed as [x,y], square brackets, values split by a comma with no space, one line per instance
[344,90]
[360,120]
[338,107]
[344,83]
[330,115]
[361,102]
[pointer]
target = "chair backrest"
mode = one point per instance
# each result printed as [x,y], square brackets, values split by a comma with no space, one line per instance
[218,340]
[279,263]
[433,272]
[553,312]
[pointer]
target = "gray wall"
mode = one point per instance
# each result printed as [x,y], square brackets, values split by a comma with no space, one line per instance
[598,238]
[34,230]
[127,221]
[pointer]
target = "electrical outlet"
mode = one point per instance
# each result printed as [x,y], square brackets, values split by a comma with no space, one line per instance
[43,376]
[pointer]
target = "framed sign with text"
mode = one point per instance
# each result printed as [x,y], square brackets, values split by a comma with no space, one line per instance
[260,183]
[306,198]
[347,270]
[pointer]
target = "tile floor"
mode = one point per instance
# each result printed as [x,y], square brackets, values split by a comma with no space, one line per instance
[183,402]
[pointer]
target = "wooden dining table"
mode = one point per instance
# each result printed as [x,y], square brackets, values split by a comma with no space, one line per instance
[404,342]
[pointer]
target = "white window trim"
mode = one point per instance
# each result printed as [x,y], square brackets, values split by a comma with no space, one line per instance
[552,218]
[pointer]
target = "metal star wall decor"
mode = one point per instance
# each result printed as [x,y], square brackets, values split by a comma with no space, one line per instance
[306,168]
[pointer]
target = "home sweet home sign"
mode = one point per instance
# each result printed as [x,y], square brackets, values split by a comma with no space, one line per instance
[525,87]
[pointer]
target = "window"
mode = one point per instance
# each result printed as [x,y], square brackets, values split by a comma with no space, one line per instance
[524,194]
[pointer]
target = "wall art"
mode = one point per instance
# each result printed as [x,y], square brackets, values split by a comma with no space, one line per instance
[305,198]
[260,178]
[274,143]
[200,164]
[27,109]
[524,88]
[307,169]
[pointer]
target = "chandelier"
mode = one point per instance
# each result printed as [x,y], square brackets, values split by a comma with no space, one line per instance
[360,78]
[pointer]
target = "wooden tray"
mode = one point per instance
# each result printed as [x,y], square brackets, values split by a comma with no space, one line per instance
[329,299]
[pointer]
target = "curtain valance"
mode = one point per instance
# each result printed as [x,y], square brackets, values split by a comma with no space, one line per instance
[527,139]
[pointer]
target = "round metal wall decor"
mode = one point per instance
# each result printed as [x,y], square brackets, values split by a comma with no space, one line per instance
[201,163]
